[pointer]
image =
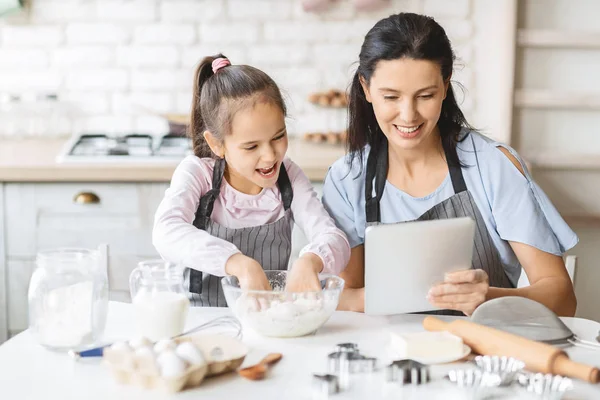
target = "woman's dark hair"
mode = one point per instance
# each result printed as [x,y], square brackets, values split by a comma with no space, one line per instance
[398,36]
[218,96]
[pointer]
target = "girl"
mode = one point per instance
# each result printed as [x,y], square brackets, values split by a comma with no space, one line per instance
[413,156]
[230,207]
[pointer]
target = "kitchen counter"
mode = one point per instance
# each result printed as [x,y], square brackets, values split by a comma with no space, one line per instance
[34,160]
[31,372]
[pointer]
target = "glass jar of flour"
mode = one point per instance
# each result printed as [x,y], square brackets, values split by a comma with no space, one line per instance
[68,298]
[159,300]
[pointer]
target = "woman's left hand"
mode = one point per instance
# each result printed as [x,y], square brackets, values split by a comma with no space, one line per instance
[462,291]
[304,274]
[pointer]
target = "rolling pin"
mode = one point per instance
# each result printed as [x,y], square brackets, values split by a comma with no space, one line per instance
[537,356]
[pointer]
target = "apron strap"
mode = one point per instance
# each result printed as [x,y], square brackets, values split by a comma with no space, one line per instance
[377,167]
[456,175]
[285,188]
[207,201]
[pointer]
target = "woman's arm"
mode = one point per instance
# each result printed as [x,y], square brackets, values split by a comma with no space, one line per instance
[326,241]
[353,296]
[354,274]
[549,281]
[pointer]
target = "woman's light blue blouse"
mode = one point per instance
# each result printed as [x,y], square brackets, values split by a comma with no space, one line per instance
[513,206]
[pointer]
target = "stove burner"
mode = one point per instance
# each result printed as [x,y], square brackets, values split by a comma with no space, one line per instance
[130,146]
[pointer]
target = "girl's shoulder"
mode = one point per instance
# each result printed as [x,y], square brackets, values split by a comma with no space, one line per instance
[195,169]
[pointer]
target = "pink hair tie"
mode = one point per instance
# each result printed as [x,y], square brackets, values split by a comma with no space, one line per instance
[219,63]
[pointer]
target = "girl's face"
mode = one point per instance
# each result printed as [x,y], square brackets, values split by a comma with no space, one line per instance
[255,147]
[407,97]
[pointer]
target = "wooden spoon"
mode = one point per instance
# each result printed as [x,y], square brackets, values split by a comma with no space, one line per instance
[258,371]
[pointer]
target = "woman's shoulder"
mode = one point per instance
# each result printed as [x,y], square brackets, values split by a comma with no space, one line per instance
[476,148]
[472,140]
[350,166]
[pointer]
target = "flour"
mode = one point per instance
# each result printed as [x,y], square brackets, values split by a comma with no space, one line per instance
[64,316]
[285,318]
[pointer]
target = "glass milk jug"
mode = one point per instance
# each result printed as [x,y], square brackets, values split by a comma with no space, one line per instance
[68,298]
[160,302]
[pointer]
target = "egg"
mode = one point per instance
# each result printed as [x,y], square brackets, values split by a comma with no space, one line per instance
[146,360]
[121,347]
[170,364]
[162,345]
[190,353]
[144,352]
[127,362]
[139,342]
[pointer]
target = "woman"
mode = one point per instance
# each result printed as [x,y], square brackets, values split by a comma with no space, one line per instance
[413,156]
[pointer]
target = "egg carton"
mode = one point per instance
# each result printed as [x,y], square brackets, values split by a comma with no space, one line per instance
[219,354]
[334,138]
[330,98]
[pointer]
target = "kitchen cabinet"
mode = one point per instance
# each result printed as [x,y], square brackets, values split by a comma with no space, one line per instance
[48,215]
[40,216]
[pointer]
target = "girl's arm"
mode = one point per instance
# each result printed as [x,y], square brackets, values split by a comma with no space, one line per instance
[174,236]
[326,241]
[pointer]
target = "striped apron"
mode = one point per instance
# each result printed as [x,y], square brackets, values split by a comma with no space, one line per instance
[270,244]
[461,204]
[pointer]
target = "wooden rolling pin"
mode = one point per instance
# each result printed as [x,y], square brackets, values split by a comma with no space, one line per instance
[537,356]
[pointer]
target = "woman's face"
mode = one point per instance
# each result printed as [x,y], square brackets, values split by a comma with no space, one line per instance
[407,96]
[255,147]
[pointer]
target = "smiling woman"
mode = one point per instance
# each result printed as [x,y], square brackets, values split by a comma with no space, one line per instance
[230,207]
[413,156]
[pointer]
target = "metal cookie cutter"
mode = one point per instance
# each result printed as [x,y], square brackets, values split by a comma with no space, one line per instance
[346,348]
[506,368]
[473,378]
[324,385]
[546,385]
[357,363]
[407,371]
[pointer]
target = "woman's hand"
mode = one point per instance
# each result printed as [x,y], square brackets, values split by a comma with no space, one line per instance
[304,274]
[462,291]
[249,272]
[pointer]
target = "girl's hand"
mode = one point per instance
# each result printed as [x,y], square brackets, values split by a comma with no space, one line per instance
[249,272]
[304,274]
[462,291]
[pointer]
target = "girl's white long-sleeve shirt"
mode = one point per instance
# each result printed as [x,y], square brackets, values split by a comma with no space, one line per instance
[178,240]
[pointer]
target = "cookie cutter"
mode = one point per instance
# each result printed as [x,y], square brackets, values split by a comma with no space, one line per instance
[506,368]
[547,386]
[324,385]
[407,372]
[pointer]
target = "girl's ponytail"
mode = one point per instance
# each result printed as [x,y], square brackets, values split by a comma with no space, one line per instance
[204,71]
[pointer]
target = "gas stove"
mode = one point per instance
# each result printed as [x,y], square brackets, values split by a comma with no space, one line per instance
[138,148]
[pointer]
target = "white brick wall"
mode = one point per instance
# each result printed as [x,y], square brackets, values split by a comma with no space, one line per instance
[78,33]
[113,60]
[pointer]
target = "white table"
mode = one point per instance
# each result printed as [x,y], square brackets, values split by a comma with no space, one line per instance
[28,371]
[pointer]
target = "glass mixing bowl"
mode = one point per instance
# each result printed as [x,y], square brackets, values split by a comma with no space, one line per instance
[278,313]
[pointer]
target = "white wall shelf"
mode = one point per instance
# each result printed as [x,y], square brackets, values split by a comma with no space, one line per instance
[535,98]
[555,160]
[558,38]
[583,221]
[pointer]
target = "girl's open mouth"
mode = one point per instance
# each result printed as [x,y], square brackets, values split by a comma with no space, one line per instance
[268,172]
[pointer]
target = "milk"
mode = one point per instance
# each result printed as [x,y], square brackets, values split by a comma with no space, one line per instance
[160,315]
